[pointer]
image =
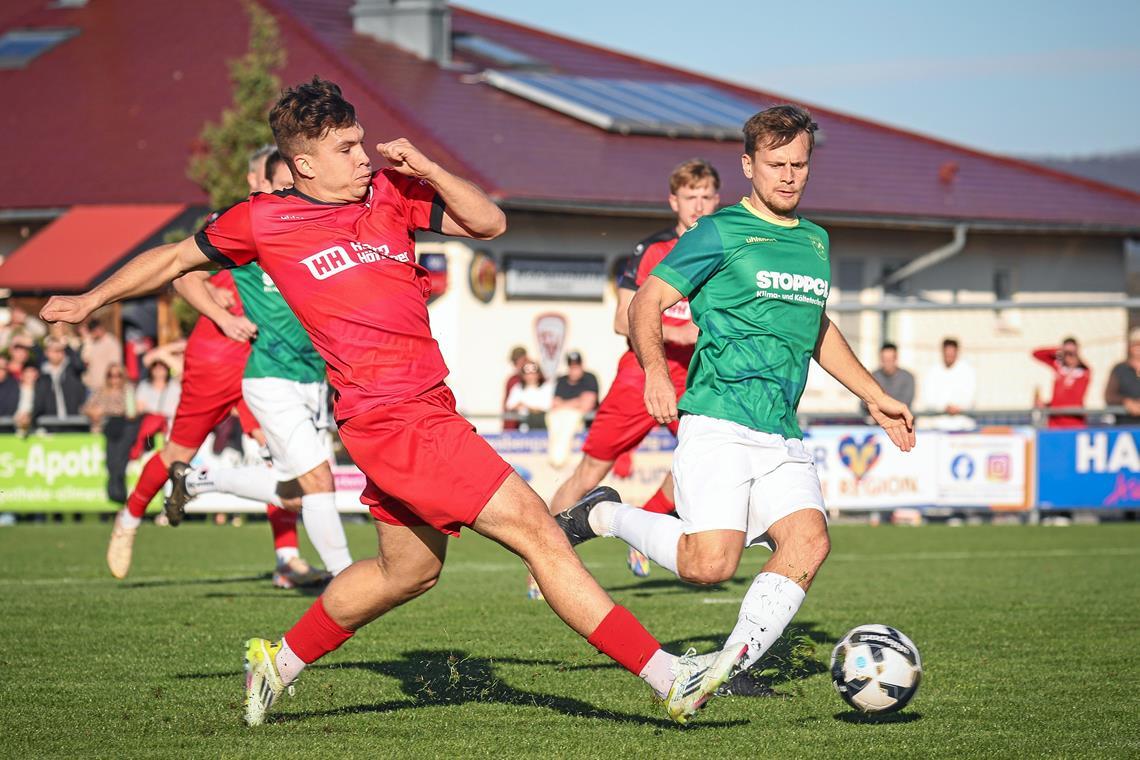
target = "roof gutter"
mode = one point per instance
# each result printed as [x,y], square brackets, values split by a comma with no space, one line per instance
[927,260]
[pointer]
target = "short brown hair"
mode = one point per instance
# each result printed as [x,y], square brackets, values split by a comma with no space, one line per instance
[307,112]
[693,172]
[777,126]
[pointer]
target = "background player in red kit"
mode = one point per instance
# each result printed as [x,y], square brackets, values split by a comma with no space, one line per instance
[621,422]
[340,248]
[211,388]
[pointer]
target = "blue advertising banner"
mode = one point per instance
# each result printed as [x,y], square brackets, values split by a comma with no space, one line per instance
[1088,469]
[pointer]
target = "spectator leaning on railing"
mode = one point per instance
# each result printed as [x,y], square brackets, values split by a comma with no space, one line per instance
[60,391]
[100,352]
[948,390]
[531,397]
[1070,380]
[575,396]
[1123,387]
[896,381]
[112,410]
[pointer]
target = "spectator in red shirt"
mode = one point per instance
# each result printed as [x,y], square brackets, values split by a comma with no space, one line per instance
[1070,380]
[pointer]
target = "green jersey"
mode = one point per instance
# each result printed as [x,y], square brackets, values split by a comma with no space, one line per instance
[282,348]
[757,289]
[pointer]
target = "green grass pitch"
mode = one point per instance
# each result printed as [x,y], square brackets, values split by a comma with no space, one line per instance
[1028,636]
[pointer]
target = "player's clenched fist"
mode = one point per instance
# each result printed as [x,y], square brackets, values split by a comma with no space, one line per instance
[73,309]
[406,158]
[660,398]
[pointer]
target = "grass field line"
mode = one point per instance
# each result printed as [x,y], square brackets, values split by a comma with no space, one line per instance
[253,572]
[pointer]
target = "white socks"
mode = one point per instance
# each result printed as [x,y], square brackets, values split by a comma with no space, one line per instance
[770,604]
[654,535]
[258,483]
[286,553]
[289,665]
[322,523]
[659,672]
[127,520]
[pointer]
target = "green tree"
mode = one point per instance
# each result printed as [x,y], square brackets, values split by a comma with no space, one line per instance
[220,166]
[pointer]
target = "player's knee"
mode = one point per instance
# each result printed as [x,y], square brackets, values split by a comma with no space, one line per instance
[708,571]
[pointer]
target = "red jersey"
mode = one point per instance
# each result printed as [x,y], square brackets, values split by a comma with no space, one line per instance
[349,273]
[1069,386]
[646,255]
[209,344]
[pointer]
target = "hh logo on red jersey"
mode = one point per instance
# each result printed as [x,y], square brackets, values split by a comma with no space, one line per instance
[328,262]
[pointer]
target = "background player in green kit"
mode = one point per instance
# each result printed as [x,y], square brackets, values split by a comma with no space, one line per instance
[757,278]
[284,386]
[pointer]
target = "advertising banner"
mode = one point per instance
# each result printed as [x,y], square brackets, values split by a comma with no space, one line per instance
[65,472]
[859,468]
[984,469]
[1088,469]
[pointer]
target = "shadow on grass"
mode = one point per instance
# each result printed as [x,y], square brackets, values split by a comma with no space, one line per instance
[432,678]
[277,593]
[860,719]
[161,582]
[674,585]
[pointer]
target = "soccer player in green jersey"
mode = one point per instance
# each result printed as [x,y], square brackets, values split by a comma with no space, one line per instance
[757,278]
[284,386]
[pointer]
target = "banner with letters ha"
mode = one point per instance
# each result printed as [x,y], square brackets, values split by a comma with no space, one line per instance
[859,468]
[1088,469]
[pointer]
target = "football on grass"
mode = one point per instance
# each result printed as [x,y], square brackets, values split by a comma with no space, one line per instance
[876,669]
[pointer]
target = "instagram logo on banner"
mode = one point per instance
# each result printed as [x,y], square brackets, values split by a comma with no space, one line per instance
[998,467]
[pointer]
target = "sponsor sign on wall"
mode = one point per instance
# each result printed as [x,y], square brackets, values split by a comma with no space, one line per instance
[65,472]
[1098,468]
[548,277]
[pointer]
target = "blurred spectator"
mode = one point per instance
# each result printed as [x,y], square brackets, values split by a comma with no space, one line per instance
[948,390]
[9,390]
[100,352]
[896,381]
[112,410]
[518,359]
[26,403]
[1123,387]
[1071,378]
[172,354]
[157,399]
[531,398]
[22,353]
[20,323]
[60,391]
[575,396]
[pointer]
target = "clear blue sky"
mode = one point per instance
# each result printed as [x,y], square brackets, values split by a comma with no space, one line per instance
[1010,76]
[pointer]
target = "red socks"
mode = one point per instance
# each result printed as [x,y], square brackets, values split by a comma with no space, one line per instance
[284,525]
[659,503]
[622,638]
[316,634]
[153,478]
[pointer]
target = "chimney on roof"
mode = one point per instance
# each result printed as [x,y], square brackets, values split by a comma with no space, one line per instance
[421,27]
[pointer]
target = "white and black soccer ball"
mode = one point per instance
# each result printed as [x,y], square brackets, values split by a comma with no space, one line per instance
[876,669]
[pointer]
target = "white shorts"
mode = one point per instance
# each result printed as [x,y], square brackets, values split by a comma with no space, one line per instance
[294,418]
[730,477]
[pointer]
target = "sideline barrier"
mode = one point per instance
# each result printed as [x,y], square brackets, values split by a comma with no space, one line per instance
[1004,469]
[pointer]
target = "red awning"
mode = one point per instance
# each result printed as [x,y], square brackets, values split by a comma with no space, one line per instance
[82,247]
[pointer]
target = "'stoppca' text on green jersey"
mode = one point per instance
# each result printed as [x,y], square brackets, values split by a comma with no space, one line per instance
[282,348]
[757,290]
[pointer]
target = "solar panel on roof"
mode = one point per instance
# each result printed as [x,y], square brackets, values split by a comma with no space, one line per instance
[19,46]
[628,106]
[489,50]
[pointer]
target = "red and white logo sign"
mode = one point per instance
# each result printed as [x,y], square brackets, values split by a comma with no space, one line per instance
[328,262]
[550,332]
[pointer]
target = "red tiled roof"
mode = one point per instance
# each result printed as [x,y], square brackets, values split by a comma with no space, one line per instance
[143,76]
[72,253]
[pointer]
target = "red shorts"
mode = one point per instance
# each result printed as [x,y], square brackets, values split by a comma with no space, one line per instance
[425,464]
[209,392]
[622,422]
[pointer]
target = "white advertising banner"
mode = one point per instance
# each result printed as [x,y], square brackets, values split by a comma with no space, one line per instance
[859,468]
[984,469]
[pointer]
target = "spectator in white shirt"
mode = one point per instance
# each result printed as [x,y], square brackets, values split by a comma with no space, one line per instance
[948,390]
[531,398]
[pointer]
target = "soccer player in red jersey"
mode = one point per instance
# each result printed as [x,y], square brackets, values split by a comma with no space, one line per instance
[216,353]
[340,247]
[622,422]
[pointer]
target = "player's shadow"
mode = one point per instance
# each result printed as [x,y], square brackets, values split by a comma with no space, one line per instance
[163,582]
[432,678]
[673,585]
[861,719]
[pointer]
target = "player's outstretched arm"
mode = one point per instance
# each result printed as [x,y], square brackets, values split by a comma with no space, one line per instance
[198,293]
[652,298]
[835,355]
[470,213]
[143,274]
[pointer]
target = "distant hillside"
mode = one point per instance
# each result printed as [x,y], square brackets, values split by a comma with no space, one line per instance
[1121,169]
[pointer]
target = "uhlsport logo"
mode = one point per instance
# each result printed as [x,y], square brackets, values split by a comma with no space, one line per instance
[859,458]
